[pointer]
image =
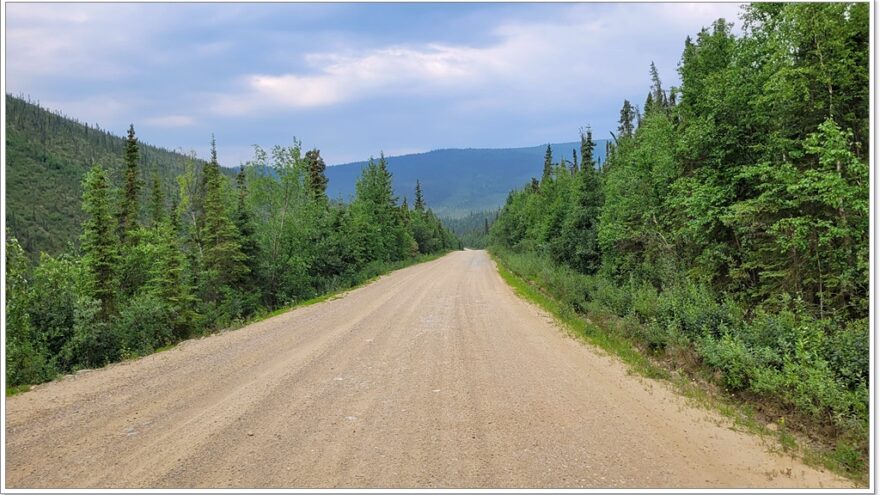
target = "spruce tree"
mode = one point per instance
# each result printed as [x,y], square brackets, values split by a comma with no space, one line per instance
[625,125]
[100,244]
[245,223]
[649,104]
[129,210]
[548,164]
[657,94]
[317,178]
[587,147]
[420,200]
[224,262]
[574,161]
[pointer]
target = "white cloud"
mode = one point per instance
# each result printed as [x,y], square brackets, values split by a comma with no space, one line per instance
[529,64]
[338,78]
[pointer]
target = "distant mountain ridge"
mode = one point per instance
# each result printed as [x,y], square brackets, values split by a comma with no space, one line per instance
[457,181]
[47,155]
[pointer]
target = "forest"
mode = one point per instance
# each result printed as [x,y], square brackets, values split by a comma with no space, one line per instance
[154,267]
[472,229]
[47,157]
[727,232]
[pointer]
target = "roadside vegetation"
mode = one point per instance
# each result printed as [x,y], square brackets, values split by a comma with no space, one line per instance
[726,234]
[151,270]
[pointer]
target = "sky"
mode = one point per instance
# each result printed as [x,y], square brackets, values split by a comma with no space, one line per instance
[353,80]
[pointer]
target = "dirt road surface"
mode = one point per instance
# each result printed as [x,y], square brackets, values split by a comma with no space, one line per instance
[436,375]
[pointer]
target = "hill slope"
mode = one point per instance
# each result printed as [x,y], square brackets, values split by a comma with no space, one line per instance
[459,181]
[47,155]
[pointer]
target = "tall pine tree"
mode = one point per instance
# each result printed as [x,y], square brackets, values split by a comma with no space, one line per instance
[548,164]
[625,124]
[317,178]
[223,261]
[130,208]
[100,244]
[420,200]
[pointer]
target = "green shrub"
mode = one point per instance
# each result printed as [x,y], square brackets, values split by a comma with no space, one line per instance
[848,353]
[609,295]
[143,325]
[93,342]
[54,298]
[729,355]
[645,302]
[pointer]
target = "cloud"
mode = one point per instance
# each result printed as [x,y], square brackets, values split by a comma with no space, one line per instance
[71,41]
[338,78]
[476,75]
[521,66]
[171,121]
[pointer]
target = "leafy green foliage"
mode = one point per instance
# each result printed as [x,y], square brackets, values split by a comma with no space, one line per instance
[224,253]
[730,222]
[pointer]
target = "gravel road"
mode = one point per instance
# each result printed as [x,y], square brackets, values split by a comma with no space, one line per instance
[436,375]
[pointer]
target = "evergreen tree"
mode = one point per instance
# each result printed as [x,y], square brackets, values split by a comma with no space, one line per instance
[625,127]
[100,244]
[548,164]
[317,178]
[420,200]
[130,208]
[574,162]
[168,281]
[587,147]
[224,263]
[245,224]
[657,94]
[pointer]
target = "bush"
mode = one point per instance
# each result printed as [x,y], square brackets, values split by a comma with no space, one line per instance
[729,355]
[143,325]
[26,363]
[609,295]
[695,312]
[54,298]
[93,343]
[848,353]
[645,302]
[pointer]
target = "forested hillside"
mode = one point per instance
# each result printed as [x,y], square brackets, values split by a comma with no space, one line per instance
[47,156]
[458,181]
[727,232]
[473,228]
[155,266]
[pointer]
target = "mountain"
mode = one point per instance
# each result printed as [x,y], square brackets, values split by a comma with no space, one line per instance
[47,155]
[458,181]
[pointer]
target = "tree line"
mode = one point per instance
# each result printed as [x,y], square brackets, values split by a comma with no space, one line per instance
[154,268]
[730,220]
[472,229]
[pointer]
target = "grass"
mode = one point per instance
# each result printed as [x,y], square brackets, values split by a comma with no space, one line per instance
[18,389]
[842,460]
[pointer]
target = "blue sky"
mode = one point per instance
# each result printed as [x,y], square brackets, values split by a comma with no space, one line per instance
[350,79]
